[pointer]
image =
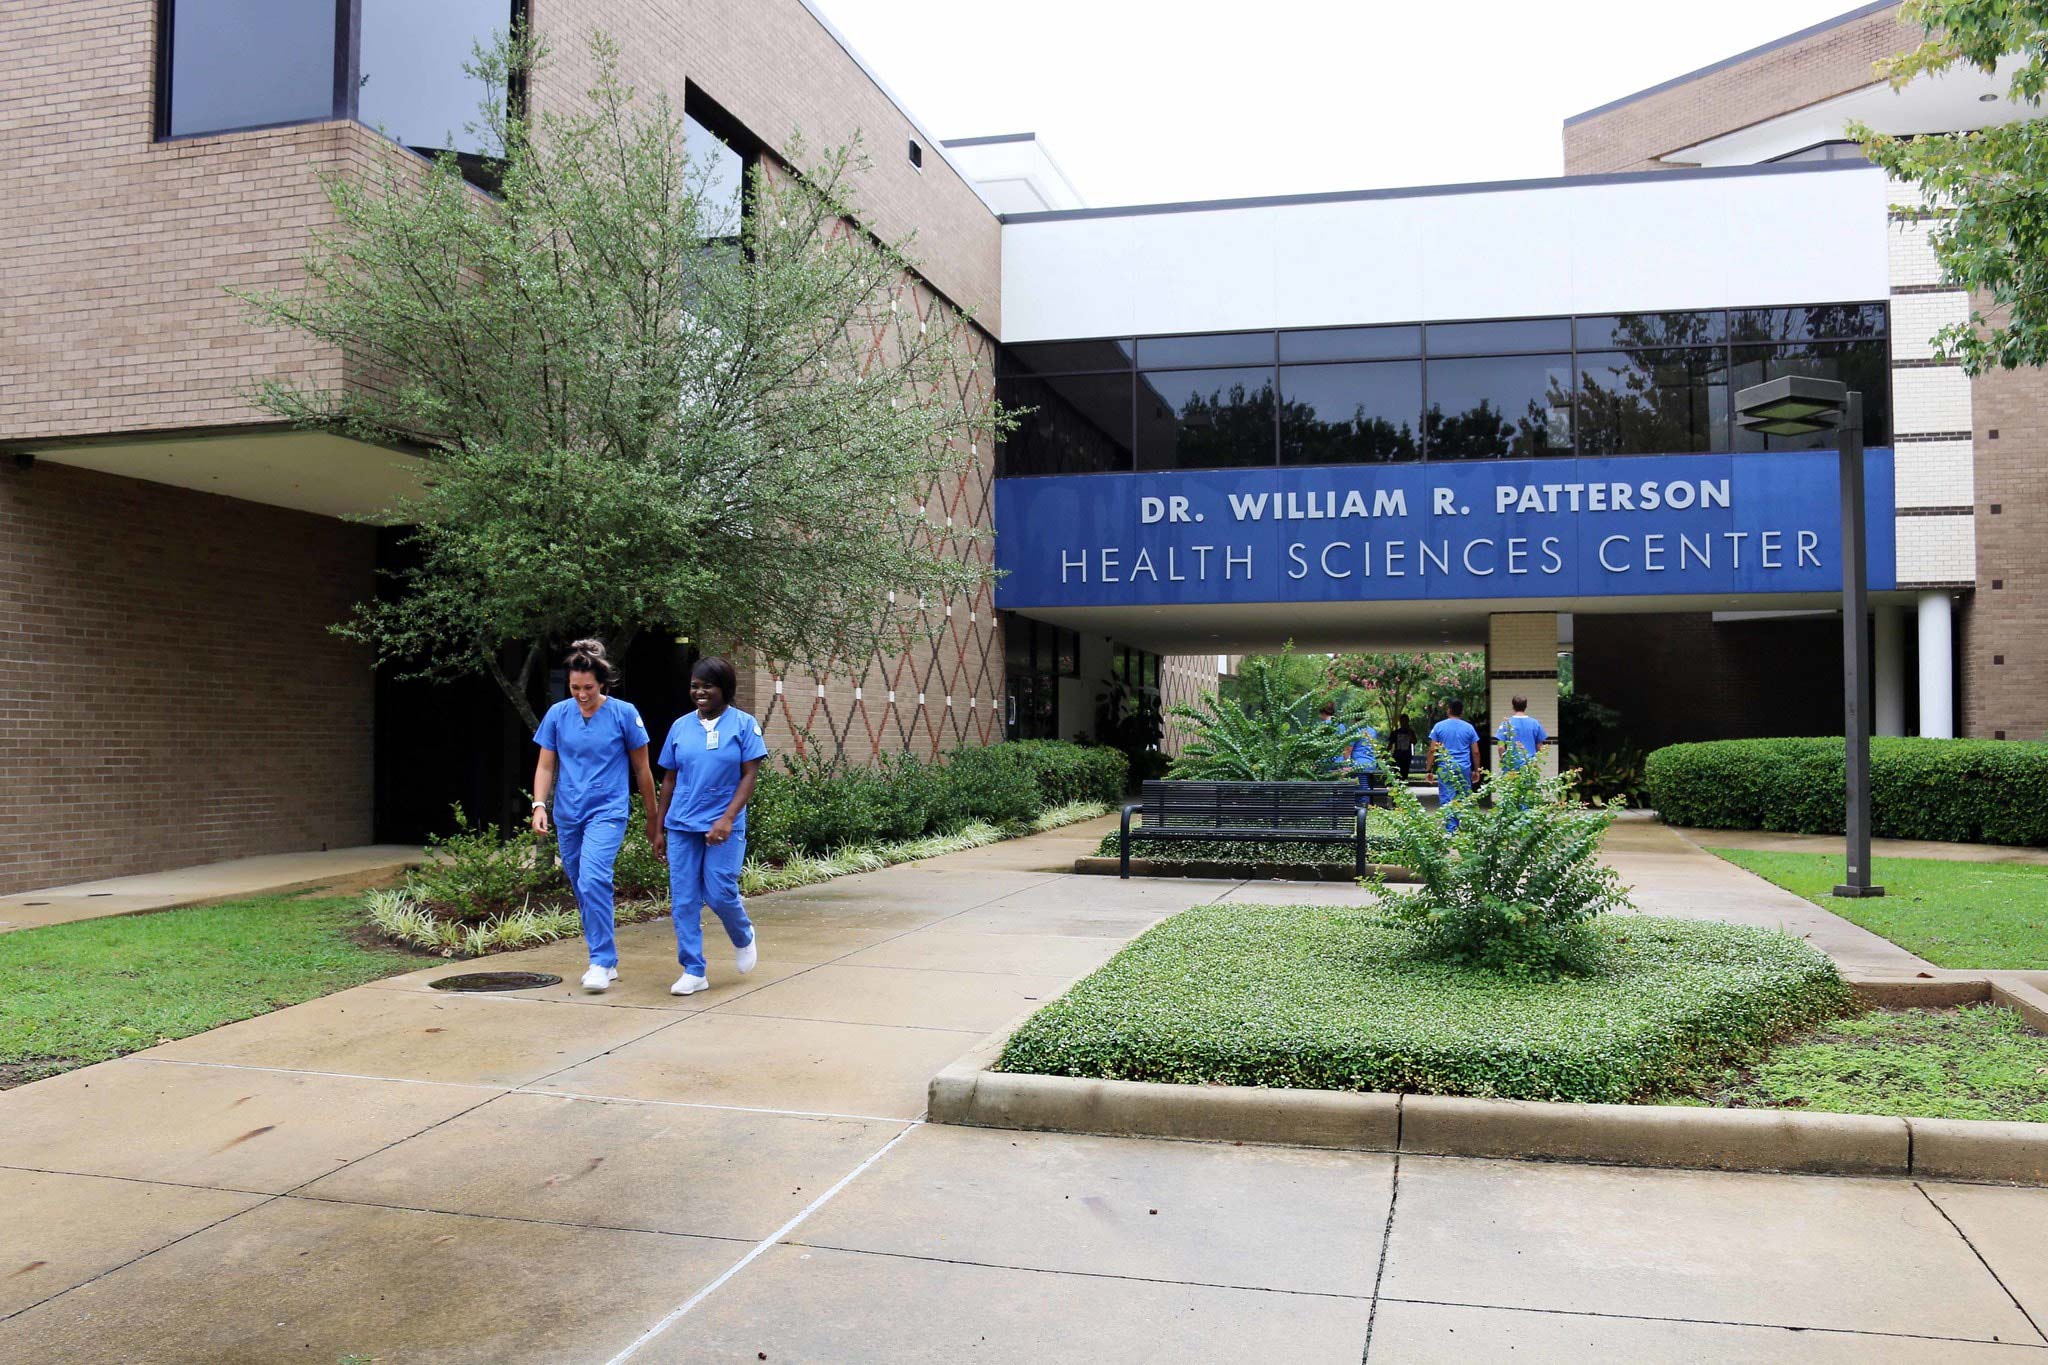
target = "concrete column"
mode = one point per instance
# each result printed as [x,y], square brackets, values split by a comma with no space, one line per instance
[1937,668]
[1889,641]
[1521,660]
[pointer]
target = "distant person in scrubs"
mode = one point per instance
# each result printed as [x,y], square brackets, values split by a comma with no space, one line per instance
[1521,736]
[589,742]
[1358,753]
[1453,758]
[709,760]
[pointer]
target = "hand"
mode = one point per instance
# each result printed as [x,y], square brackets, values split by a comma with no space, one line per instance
[540,820]
[654,837]
[720,831]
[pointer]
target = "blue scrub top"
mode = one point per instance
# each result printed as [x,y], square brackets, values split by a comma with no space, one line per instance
[708,774]
[593,757]
[1519,737]
[1362,757]
[1457,737]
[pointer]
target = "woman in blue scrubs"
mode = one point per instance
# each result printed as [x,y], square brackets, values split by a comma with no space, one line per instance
[588,743]
[710,760]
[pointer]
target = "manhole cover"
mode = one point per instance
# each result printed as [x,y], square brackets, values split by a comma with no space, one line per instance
[495,981]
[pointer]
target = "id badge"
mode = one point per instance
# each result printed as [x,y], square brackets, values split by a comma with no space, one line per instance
[711,739]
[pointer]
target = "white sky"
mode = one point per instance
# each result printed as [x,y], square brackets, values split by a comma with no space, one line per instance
[1150,100]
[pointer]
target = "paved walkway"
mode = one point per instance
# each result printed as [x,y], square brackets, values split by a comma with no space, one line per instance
[342,869]
[396,1174]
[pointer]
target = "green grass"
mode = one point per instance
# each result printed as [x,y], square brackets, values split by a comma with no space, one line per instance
[1975,1062]
[72,994]
[1337,999]
[1954,914]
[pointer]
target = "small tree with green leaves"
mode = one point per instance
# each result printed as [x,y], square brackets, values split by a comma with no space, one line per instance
[636,411]
[1987,189]
[1259,738]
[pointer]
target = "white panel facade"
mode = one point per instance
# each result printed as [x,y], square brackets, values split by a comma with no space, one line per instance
[1933,474]
[1542,248]
[1931,399]
[1937,550]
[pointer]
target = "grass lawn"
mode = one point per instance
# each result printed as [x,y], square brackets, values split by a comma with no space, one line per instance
[1335,998]
[72,994]
[1954,914]
[1975,1062]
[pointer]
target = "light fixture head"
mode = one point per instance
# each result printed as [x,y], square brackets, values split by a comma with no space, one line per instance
[1987,99]
[1792,405]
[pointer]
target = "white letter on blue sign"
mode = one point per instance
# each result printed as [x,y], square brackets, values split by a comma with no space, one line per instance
[1230,561]
[1446,503]
[1177,509]
[1067,564]
[1329,572]
[1109,562]
[1611,568]
[1476,572]
[1151,510]
[1808,542]
[1300,569]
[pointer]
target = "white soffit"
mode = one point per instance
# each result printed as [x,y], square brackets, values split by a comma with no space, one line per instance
[1013,173]
[305,471]
[1594,244]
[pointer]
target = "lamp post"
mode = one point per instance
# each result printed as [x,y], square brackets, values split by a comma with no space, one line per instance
[1797,406]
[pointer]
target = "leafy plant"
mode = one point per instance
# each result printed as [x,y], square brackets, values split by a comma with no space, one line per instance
[1612,771]
[1258,739]
[1514,885]
[481,871]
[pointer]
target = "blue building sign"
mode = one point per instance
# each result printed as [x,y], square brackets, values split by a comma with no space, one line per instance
[1623,526]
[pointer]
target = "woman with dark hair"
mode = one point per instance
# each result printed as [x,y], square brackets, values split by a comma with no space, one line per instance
[589,741]
[710,760]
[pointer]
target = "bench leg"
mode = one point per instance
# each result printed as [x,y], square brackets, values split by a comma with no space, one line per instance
[1123,868]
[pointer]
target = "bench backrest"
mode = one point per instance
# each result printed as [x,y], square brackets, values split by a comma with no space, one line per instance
[1251,805]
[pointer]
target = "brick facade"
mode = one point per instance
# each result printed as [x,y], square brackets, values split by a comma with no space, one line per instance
[2003,677]
[169,691]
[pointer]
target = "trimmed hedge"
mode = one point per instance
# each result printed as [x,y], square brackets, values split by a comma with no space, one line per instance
[1952,790]
[1340,998]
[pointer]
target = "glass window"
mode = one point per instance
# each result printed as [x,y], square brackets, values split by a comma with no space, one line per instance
[1017,644]
[1229,348]
[722,172]
[1672,401]
[1067,654]
[1862,365]
[1846,321]
[1205,419]
[1514,406]
[1630,331]
[1351,414]
[1484,338]
[1077,424]
[248,63]
[1351,343]
[1826,151]
[412,87]
[1064,357]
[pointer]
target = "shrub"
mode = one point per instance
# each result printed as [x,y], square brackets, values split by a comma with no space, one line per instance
[992,783]
[1511,888]
[1262,738]
[639,872]
[1952,790]
[1071,773]
[481,871]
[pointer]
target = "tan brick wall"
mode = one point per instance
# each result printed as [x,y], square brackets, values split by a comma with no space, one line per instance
[1184,678]
[169,691]
[2003,677]
[1830,63]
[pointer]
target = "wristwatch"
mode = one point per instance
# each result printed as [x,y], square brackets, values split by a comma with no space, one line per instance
[539,804]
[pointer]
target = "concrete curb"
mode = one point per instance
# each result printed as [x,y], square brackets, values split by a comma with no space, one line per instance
[1288,872]
[969,1094]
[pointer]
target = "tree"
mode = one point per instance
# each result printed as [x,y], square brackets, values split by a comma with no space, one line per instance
[636,412]
[1300,681]
[1988,188]
[1260,738]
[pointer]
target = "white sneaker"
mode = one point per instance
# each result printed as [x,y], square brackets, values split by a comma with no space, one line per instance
[597,978]
[743,959]
[687,984]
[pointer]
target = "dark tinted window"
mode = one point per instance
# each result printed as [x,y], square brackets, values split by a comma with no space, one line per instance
[1483,338]
[1351,343]
[1233,348]
[1862,365]
[1205,419]
[1631,330]
[1846,321]
[1653,402]
[1080,424]
[246,63]
[1064,357]
[1351,414]
[412,85]
[1502,406]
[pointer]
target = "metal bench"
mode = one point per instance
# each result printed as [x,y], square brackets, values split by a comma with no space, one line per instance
[1259,812]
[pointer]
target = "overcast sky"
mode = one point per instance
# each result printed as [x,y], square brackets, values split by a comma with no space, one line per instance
[1150,100]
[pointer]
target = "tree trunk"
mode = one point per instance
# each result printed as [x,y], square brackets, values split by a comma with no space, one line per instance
[514,686]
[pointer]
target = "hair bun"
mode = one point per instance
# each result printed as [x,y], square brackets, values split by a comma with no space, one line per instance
[590,656]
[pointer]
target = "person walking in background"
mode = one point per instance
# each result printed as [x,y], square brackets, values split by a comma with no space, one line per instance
[1520,736]
[1453,758]
[709,760]
[589,741]
[1403,741]
[1358,756]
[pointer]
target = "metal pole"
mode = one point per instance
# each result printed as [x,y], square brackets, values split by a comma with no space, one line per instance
[1855,652]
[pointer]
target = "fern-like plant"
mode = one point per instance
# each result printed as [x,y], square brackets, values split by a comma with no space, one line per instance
[1258,739]
[1514,885]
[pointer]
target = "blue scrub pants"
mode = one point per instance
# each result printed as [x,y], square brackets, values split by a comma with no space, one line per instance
[701,874]
[590,852]
[1452,782]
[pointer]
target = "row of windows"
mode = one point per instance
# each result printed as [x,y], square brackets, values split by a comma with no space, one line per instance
[1648,400]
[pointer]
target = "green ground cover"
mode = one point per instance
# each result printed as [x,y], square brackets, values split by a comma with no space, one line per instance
[1975,1062]
[72,994]
[1954,914]
[1252,851]
[1336,998]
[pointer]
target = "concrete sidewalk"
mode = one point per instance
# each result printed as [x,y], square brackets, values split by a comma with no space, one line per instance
[397,1174]
[339,869]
